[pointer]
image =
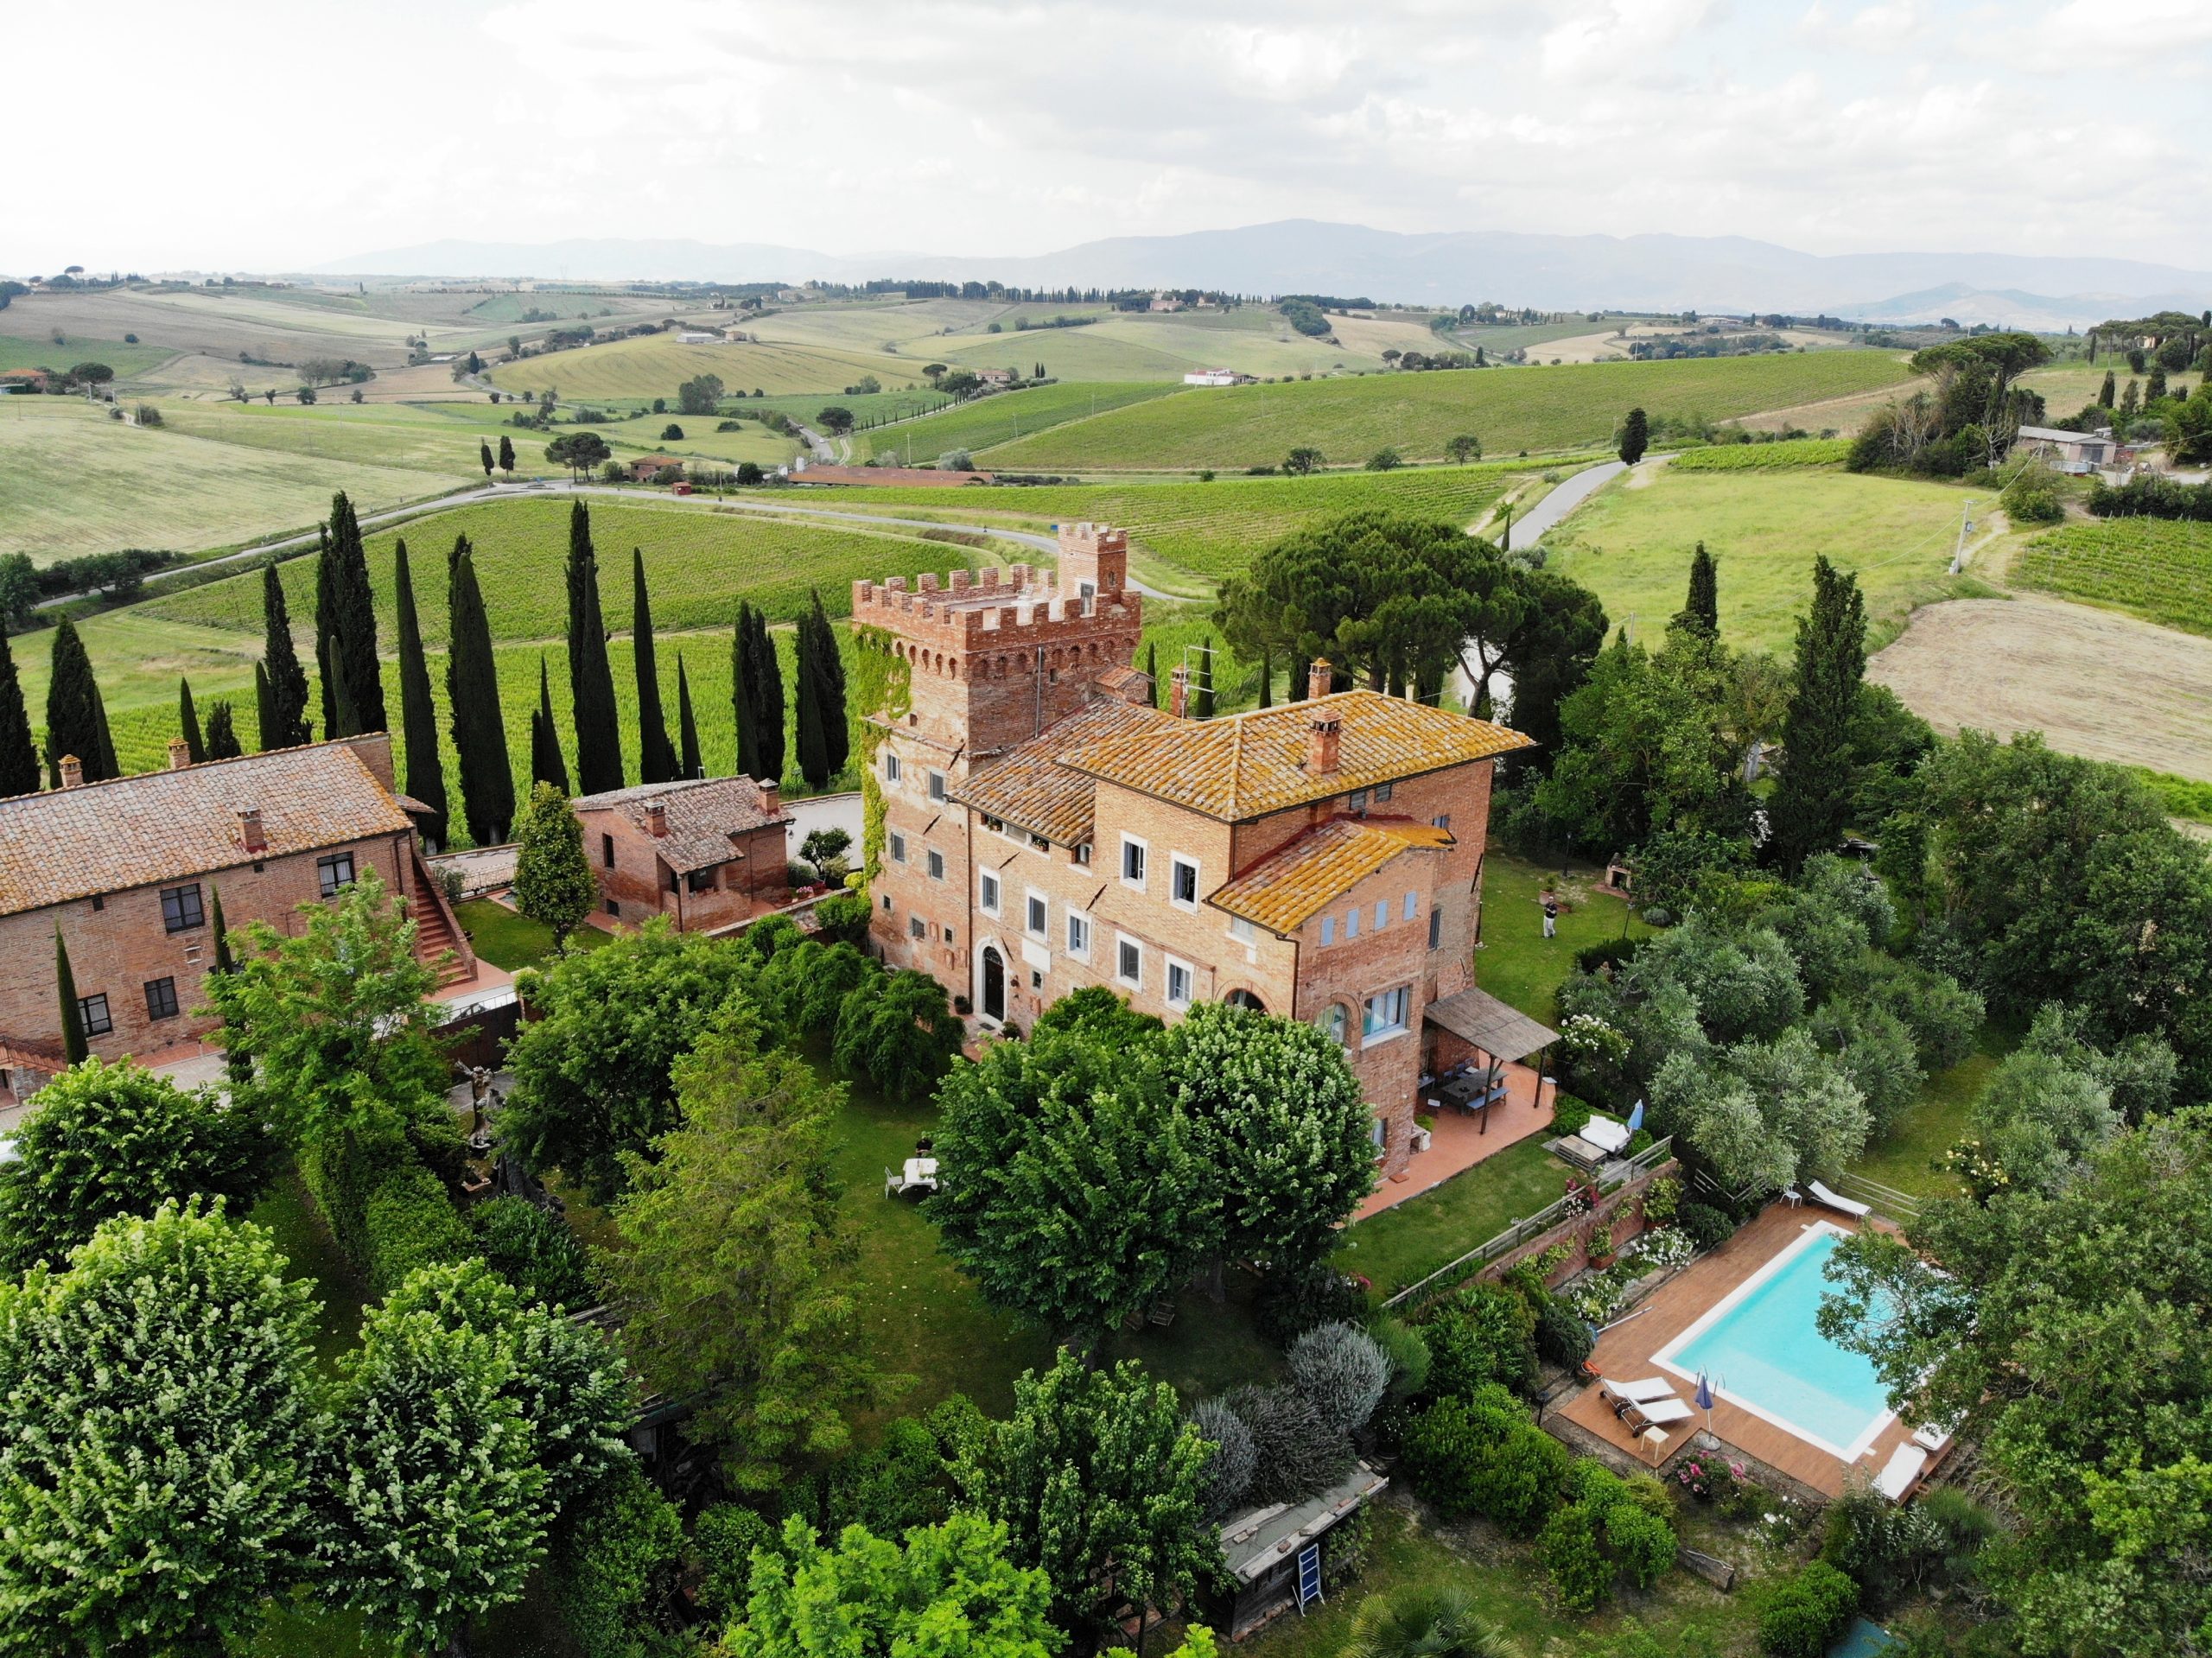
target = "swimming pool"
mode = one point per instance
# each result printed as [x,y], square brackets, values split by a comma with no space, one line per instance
[1764,1352]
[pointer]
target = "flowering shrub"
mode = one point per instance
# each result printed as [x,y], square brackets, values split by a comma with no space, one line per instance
[1587,1036]
[1660,1199]
[1662,1248]
[1580,1199]
[1709,1481]
[1596,1296]
[1977,1168]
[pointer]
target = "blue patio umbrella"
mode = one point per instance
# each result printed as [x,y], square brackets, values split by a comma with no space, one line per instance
[1705,1399]
[1636,1117]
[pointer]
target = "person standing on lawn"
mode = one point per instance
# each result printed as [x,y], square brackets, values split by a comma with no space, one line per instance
[1551,916]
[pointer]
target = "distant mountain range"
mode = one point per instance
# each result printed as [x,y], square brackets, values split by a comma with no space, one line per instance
[1657,273]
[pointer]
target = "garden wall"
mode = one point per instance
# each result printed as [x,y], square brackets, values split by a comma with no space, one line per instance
[1622,1211]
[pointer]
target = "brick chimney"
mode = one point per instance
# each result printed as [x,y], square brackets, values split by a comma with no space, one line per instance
[772,799]
[72,771]
[657,818]
[1324,738]
[179,754]
[251,833]
[1178,693]
[1319,677]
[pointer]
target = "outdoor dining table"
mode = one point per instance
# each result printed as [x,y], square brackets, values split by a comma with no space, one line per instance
[922,1172]
[1476,1090]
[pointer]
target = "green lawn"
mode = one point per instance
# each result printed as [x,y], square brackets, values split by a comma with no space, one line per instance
[1632,547]
[1006,415]
[1907,1156]
[514,942]
[18,351]
[1516,963]
[1404,1245]
[313,1257]
[1510,409]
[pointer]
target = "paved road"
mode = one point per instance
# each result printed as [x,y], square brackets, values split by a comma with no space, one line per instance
[1545,515]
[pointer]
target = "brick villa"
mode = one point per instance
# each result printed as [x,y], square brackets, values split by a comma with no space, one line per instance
[706,853]
[1045,828]
[126,871]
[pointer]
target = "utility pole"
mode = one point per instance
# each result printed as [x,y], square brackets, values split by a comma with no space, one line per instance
[1965,524]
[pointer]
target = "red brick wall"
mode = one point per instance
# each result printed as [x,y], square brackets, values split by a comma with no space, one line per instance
[638,882]
[119,947]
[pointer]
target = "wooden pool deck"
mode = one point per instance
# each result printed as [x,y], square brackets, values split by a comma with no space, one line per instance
[1625,1354]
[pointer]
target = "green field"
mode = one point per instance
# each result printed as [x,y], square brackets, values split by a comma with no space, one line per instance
[1004,418]
[2157,568]
[1508,410]
[73,480]
[653,366]
[1632,547]
[18,352]
[1764,457]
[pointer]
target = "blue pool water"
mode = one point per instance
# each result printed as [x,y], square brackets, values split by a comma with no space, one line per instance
[1767,1352]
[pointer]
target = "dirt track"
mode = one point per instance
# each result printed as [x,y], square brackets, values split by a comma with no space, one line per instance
[2094,683]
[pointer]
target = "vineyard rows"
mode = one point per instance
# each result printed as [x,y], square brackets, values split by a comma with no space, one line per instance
[1761,457]
[2159,569]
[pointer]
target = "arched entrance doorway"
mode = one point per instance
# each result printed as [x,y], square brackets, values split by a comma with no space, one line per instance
[993,998]
[1245,999]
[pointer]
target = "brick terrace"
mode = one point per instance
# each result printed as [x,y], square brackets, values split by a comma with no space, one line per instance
[1625,1354]
[1459,1141]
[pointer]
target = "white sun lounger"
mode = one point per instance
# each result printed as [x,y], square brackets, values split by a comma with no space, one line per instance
[1664,1410]
[1932,1436]
[1841,1204]
[1897,1474]
[1650,1388]
[1607,1134]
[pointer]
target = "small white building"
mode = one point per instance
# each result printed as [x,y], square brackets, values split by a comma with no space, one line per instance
[697,337]
[2074,452]
[1212,377]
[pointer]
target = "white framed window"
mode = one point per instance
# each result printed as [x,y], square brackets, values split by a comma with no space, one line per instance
[1083,853]
[937,785]
[987,893]
[1435,928]
[1180,979]
[897,847]
[1381,913]
[1412,905]
[1039,843]
[1334,1020]
[1129,961]
[1352,922]
[1241,929]
[1385,1014]
[916,927]
[886,905]
[937,864]
[996,825]
[1078,934]
[1375,1133]
[1182,882]
[1328,929]
[890,766]
[948,935]
[1036,918]
[1133,861]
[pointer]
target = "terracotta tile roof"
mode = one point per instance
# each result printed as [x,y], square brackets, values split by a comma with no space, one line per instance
[1029,786]
[704,815]
[159,826]
[1248,764]
[1291,884]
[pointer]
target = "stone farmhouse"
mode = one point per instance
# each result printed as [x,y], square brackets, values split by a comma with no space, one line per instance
[126,872]
[706,854]
[1045,828]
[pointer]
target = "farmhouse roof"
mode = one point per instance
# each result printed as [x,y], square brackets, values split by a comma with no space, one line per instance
[1028,785]
[703,816]
[1288,887]
[1257,1541]
[925,477]
[158,826]
[1478,1018]
[2056,435]
[1251,763]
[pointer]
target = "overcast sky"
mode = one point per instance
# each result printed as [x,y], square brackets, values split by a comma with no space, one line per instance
[244,136]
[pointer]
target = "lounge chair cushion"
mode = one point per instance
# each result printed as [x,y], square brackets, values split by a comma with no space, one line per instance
[1664,1410]
[1650,1388]
[1606,1134]
[1898,1473]
[1842,1205]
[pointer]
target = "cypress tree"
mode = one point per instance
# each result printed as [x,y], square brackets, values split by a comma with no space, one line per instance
[2155,386]
[264,720]
[687,724]
[187,720]
[506,455]
[222,735]
[1267,679]
[18,755]
[354,622]
[75,722]
[546,763]
[1811,806]
[73,1047]
[741,691]
[2108,391]
[1636,436]
[418,715]
[479,735]
[591,681]
[656,755]
[484,451]
[765,673]
[813,751]
[284,715]
[1202,698]
[236,1059]
[1152,673]
[326,612]
[830,664]
[1701,609]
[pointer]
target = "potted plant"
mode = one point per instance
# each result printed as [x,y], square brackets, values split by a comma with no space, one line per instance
[1599,1248]
[1424,1131]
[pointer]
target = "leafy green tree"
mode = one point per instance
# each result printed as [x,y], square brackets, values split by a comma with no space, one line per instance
[2105,392]
[1812,803]
[1423,1622]
[580,451]
[1385,460]
[18,754]
[591,681]
[1039,1143]
[1096,1477]
[1281,1124]
[419,718]
[656,760]
[74,1046]
[732,1273]
[592,1072]
[687,726]
[546,762]
[899,1031]
[159,1421]
[1762,1114]
[76,719]
[187,720]
[1152,671]
[283,721]
[1303,462]
[837,420]
[1548,655]
[480,731]
[825,848]
[949,1587]
[1465,448]
[19,587]
[553,881]
[1634,437]
[337,1018]
[699,395]
[435,1508]
[117,1140]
